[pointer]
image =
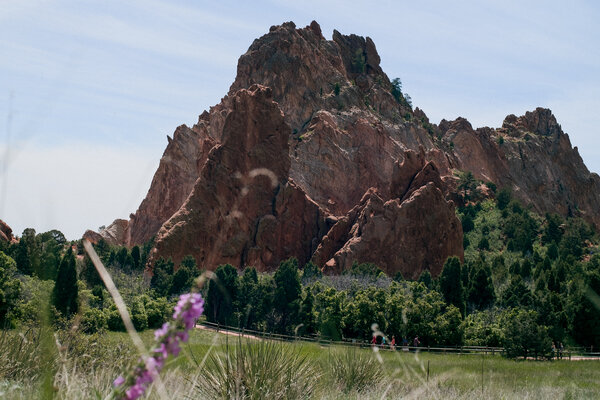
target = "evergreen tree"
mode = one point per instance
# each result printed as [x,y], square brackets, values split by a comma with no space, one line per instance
[221,295]
[136,257]
[310,271]
[552,232]
[185,275]
[89,273]
[526,269]
[503,198]
[517,293]
[307,314]
[481,291]
[426,279]
[10,286]
[451,283]
[162,276]
[288,293]
[248,300]
[66,292]
[27,253]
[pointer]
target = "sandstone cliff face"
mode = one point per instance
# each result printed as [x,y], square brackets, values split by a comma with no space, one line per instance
[310,155]
[408,237]
[535,159]
[417,230]
[243,209]
[177,172]
[5,232]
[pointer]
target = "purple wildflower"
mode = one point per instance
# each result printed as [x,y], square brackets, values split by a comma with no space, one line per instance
[189,307]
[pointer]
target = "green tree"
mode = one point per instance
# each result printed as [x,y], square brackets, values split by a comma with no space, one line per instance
[221,295]
[51,245]
[503,197]
[136,256]
[522,336]
[89,273]
[66,292]
[248,298]
[552,232]
[451,284]
[365,309]
[307,315]
[467,222]
[10,286]
[426,279]
[288,295]
[467,184]
[184,276]
[586,311]
[310,271]
[27,254]
[517,293]
[162,276]
[397,89]
[329,304]
[481,291]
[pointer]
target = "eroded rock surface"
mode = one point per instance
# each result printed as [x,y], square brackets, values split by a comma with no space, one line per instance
[354,171]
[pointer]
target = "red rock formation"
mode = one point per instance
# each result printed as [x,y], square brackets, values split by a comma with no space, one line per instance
[177,172]
[5,232]
[418,233]
[535,159]
[243,210]
[329,129]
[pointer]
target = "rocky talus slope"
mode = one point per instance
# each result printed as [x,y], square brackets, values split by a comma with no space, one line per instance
[310,155]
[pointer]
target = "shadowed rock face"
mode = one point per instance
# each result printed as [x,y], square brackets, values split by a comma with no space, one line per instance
[354,175]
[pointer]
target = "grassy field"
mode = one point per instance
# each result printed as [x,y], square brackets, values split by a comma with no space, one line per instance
[73,366]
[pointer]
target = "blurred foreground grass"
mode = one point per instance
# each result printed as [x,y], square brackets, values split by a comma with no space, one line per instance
[83,367]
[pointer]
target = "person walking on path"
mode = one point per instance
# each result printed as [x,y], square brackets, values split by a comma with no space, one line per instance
[416,342]
[393,343]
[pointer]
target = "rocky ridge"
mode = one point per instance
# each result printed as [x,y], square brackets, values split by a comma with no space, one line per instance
[310,155]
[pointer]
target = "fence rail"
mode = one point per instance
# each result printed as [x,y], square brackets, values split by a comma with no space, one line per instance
[577,352]
[461,350]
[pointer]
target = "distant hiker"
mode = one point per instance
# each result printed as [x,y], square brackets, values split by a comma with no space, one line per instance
[383,341]
[393,343]
[561,348]
[553,350]
[404,341]
[416,341]
[374,340]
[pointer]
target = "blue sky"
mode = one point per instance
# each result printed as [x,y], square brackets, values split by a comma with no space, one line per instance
[89,90]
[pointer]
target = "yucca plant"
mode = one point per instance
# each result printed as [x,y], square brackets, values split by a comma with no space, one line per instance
[257,370]
[354,369]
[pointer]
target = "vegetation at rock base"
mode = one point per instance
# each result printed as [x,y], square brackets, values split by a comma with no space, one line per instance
[533,284]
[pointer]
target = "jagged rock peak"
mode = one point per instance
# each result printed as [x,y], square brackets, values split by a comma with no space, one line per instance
[541,121]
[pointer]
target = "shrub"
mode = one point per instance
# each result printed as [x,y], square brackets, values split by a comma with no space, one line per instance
[354,369]
[262,370]
[93,320]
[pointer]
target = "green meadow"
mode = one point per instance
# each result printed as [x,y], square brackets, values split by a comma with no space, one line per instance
[65,365]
